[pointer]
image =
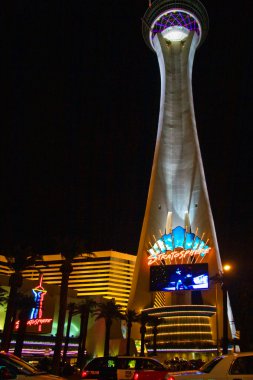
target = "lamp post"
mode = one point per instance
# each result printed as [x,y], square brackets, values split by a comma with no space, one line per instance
[220,278]
[217,319]
[225,317]
[226,268]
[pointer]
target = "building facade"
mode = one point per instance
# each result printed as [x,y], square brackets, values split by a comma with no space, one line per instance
[106,275]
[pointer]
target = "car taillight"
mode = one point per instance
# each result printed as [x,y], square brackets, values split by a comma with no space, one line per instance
[170,378]
[136,376]
[84,374]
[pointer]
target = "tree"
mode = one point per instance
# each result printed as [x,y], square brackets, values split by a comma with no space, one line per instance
[24,305]
[19,258]
[72,309]
[109,311]
[84,308]
[130,316]
[69,249]
[155,322]
[143,319]
[3,296]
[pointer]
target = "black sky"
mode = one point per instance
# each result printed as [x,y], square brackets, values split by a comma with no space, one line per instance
[79,120]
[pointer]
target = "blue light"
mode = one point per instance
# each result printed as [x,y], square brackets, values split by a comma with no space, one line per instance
[179,238]
[196,242]
[168,242]
[189,240]
[161,245]
[156,248]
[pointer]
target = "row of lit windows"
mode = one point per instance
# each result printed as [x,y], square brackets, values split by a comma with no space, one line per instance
[110,268]
[180,334]
[182,329]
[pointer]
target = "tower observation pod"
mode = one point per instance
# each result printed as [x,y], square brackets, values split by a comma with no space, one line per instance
[178,253]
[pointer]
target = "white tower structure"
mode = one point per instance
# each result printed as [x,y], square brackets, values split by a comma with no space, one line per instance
[178,227]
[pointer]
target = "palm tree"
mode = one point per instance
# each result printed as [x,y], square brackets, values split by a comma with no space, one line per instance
[130,316]
[24,305]
[72,309]
[69,249]
[84,308]
[109,311]
[19,258]
[143,319]
[3,296]
[155,322]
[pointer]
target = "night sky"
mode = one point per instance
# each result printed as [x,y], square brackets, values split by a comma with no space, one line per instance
[79,120]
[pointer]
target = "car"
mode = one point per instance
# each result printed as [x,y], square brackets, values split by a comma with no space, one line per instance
[237,366]
[124,368]
[14,368]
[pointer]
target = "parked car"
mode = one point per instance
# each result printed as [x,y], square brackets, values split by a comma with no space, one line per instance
[14,368]
[124,368]
[238,366]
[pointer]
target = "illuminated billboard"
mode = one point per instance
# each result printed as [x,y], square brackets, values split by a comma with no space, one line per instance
[168,278]
[39,323]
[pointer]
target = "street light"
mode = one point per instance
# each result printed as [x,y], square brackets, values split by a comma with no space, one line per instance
[220,278]
[226,268]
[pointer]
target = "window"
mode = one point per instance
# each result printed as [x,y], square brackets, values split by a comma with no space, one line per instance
[210,365]
[17,365]
[94,364]
[242,366]
[151,365]
[126,363]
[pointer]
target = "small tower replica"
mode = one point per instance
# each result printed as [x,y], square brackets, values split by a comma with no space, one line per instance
[178,252]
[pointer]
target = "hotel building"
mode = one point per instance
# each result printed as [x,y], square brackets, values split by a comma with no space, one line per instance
[106,275]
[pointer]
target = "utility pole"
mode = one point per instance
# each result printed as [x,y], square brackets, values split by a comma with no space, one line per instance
[225,317]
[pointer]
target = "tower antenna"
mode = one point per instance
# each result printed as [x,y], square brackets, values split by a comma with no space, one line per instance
[149,3]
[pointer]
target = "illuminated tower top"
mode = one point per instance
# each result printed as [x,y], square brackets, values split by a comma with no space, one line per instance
[174,19]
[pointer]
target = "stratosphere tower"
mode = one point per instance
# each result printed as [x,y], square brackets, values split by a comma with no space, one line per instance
[178,226]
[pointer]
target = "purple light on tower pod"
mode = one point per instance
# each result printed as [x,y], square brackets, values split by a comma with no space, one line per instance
[175,20]
[175,23]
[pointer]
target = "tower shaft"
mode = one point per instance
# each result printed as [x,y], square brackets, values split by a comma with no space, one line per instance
[177,182]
